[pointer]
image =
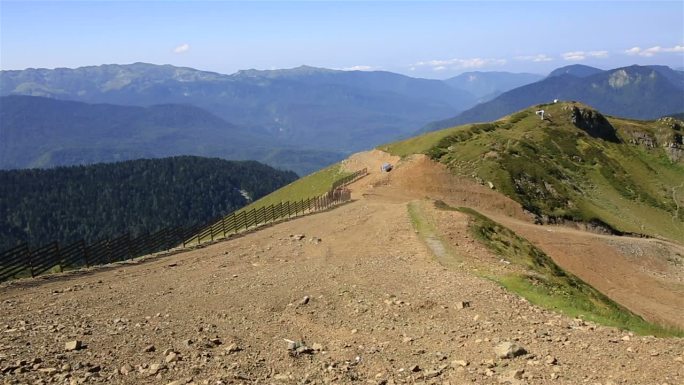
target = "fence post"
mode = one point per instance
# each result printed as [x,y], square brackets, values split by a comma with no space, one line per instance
[59,257]
[255,217]
[130,247]
[109,251]
[223,225]
[85,253]
[30,260]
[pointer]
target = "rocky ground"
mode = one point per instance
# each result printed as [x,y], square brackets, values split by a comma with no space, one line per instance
[351,295]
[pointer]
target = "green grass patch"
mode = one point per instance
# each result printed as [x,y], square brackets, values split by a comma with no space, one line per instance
[419,144]
[428,233]
[560,172]
[546,284]
[310,186]
[418,220]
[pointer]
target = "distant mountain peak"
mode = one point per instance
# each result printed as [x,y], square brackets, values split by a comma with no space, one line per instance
[577,70]
[487,85]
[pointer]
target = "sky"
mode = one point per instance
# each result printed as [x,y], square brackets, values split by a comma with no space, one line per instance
[420,39]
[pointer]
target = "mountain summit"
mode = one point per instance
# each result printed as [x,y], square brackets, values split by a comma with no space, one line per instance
[577,70]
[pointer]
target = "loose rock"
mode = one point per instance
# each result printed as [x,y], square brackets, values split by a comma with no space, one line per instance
[171,357]
[233,348]
[509,350]
[73,345]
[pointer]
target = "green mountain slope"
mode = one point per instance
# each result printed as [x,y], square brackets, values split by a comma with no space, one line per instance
[575,165]
[109,199]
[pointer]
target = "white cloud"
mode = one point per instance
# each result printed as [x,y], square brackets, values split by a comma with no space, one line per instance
[575,55]
[182,48]
[582,55]
[633,51]
[535,58]
[598,54]
[458,64]
[359,68]
[649,52]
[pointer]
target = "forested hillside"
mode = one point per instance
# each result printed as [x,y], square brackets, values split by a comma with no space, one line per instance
[108,199]
[38,132]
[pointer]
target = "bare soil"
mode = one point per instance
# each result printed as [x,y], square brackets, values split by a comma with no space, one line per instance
[381,307]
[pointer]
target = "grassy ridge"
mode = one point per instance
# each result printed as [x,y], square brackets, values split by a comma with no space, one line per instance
[561,172]
[310,186]
[546,284]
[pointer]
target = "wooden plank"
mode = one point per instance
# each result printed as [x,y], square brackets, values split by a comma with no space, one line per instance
[137,245]
[118,248]
[97,252]
[73,254]
[15,261]
[262,214]
[44,258]
[16,256]
[12,271]
[20,249]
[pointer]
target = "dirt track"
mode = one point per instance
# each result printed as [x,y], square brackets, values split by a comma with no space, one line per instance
[381,309]
[645,275]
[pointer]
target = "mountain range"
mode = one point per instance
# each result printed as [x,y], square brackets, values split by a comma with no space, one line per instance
[300,119]
[637,92]
[326,108]
[45,132]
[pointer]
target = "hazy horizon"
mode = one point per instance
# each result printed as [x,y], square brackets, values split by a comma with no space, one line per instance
[418,39]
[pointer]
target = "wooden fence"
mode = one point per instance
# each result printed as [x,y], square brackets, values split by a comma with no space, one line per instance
[246,219]
[21,261]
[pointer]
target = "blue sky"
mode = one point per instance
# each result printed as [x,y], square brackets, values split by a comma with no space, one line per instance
[425,39]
